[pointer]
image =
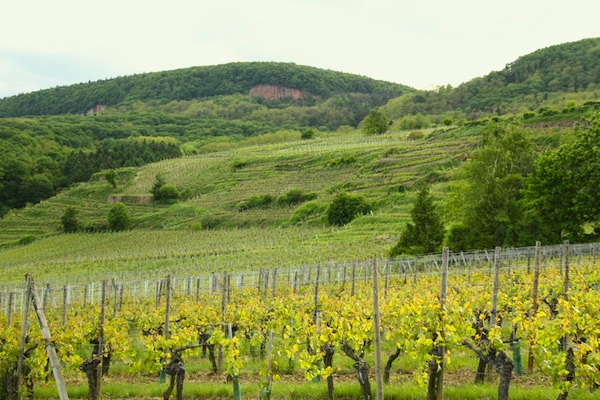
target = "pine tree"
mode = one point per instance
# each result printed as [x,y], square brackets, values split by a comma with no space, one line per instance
[426,233]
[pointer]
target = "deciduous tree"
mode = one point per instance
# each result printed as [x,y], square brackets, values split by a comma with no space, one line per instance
[564,192]
[488,203]
[375,123]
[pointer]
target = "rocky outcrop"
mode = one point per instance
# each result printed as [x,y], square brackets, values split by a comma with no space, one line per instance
[275,92]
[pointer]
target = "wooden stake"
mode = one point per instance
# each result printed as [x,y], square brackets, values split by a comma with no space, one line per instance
[353,279]
[23,334]
[566,278]
[168,305]
[443,291]
[387,278]
[269,361]
[101,336]
[316,297]
[60,383]
[534,299]
[274,282]
[11,296]
[85,295]
[497,262]
[64,311]
[223,304]
[377,328]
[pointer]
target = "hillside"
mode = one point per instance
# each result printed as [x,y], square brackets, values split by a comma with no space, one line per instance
[547,76]
[131,118]
[382,169]
[198,83]
[117,122]
[213,227]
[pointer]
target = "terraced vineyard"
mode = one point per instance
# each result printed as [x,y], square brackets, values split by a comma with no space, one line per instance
[208,232]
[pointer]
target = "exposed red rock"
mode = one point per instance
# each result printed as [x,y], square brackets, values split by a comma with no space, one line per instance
[275,92]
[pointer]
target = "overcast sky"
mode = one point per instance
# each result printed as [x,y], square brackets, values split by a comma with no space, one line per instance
[420,43]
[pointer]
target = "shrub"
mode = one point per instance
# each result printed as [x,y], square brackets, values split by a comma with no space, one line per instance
[163,191]
[528,115]
[308,212]
[119,218]
[307,134]
[415,135]
[375,123]
[238,165]
[256,202]
[344,208]
[295,196]
[417,121]
[392,151]
[547,111]
[447,121]
[167,192]
[70,220]
[159,181]
[426,232]
[209,221]
[342,161]
[26,239]
[111,177]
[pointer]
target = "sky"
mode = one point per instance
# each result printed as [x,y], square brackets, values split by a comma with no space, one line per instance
[419,43]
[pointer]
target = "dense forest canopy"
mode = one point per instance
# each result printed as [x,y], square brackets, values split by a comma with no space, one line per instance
[196,83]
[523,84]
[38,156]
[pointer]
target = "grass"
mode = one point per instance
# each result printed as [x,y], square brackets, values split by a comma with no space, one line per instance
[293,390]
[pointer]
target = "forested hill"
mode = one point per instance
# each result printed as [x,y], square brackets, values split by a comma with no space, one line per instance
[196,83]
[526,83]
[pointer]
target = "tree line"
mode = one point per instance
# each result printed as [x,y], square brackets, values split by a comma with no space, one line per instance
[523,84]
[507,194]
[195,83]
[38,157]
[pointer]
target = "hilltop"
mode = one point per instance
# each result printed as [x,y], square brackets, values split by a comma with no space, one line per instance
[546,77]
[270,80]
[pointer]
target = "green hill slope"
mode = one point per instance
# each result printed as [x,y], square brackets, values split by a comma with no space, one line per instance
[380,168]
[196,83]
[214,229]
[547,76]
[195,106]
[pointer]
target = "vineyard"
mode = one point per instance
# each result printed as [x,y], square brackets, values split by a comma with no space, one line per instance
[404,328]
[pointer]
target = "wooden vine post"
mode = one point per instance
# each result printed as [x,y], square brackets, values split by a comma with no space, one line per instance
[52,357]
[435,385]
[566,277]
[23,334]
[443,291]
[101,338]
[11,296]
[316,295]
[534,299]
[377,329]
[222,322]
[497,262]
[168,305]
